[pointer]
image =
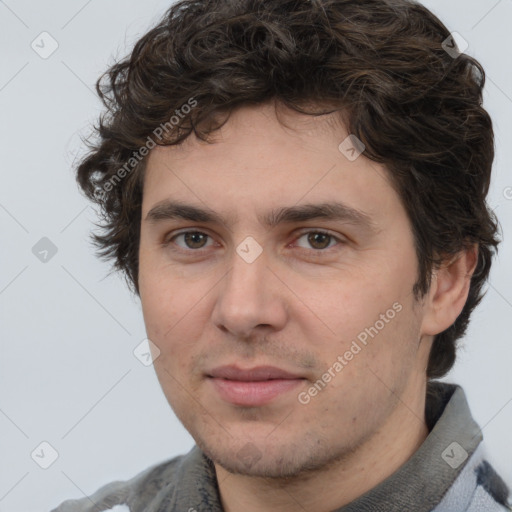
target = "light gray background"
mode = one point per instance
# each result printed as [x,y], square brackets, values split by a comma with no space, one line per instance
[68,375]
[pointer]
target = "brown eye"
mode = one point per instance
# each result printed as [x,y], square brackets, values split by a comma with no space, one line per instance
[195,239]
[319,240]
[189,241]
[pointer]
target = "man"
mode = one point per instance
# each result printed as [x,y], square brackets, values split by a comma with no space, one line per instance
[296,191]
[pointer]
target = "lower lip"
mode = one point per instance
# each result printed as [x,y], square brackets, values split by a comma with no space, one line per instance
[253,393]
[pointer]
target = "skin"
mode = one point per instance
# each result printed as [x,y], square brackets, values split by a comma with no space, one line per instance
[298,306]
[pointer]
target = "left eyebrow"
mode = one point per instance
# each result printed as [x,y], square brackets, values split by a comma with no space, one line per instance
[335,211]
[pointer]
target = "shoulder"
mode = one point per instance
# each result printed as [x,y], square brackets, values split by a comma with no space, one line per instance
[477,488]
[491,490]
[129,495]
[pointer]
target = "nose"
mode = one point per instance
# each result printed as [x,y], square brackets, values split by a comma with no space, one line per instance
[250,298]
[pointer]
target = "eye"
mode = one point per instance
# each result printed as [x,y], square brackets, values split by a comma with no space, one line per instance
[192,240]
[319,240]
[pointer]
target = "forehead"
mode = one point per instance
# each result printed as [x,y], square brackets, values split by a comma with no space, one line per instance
[265,160]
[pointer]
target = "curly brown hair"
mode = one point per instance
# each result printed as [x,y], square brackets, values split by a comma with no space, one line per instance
[382,64]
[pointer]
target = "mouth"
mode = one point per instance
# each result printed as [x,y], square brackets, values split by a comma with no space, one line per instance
[252,387]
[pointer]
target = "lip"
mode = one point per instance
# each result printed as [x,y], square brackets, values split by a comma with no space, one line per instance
[258,373]
[254,386]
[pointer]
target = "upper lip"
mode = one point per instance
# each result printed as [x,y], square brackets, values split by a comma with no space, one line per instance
[257,373]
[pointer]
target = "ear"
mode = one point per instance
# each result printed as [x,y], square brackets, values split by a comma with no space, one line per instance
[448,291]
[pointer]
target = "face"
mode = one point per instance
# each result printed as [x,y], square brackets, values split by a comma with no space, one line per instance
[252,270]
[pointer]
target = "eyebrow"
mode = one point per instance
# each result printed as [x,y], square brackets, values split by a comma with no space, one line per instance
[335,211]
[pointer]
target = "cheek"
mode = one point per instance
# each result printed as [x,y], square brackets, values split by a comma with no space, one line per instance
[174,317]
[354,303]
[372,375]
[162,295]
[372,326]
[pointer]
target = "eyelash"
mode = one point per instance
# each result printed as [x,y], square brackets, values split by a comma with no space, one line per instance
[170,240]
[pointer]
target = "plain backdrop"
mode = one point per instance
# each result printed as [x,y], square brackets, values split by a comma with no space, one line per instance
[68,374]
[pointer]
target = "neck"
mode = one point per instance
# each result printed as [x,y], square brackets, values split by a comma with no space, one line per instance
[333,487]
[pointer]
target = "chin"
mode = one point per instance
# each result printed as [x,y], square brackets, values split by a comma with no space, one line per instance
[260,460]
